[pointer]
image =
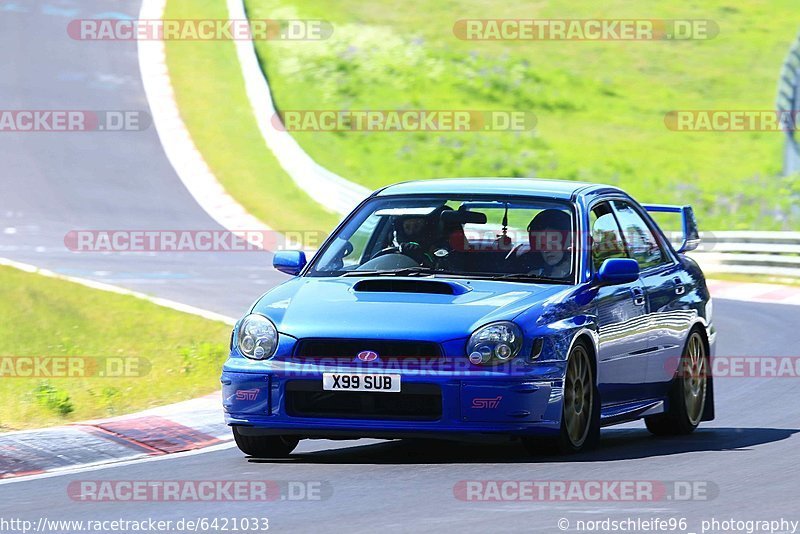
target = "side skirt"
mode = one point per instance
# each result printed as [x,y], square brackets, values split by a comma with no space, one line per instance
[630,411]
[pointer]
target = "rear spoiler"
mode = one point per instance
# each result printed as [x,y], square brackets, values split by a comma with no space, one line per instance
[691,235]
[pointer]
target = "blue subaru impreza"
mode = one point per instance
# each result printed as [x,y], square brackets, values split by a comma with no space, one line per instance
[538,310]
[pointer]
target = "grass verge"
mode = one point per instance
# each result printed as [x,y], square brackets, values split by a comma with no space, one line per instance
[600,105]
[213,103]
[181,354]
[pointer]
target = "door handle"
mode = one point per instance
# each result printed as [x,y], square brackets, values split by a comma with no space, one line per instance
[680,289]
[638,296]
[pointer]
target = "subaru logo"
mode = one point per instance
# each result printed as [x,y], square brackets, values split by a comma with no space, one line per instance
[367,356]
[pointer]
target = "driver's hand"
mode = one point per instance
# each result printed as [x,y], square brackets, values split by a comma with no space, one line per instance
[410,249]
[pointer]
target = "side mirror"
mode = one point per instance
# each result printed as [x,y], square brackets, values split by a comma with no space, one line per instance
[691,235]
[289,261]
[347,249]
[690,238]
[616,271]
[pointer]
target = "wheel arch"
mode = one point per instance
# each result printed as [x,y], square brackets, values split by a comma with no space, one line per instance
[590,338]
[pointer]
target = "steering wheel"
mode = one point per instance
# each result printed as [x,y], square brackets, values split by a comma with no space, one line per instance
[514,252]
[392,249]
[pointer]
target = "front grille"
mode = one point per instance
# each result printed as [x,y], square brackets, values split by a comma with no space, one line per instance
[305,398]
[349,348]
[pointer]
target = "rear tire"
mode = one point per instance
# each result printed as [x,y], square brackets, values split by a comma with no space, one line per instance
[689,392]
[580,412]
[265,446]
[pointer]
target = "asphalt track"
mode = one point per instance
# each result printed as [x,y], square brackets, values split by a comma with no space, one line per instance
[53,183]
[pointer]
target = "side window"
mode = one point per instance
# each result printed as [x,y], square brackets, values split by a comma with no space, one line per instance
[642,244]
[606,237]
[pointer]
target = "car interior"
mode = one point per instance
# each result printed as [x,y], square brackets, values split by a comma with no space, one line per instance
[475,237]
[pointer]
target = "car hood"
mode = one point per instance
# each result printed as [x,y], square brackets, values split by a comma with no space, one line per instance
[309,307]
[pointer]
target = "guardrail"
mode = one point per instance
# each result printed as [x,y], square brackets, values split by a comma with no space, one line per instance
[767,253]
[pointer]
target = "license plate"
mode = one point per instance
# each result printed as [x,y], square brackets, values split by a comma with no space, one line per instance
[361,382]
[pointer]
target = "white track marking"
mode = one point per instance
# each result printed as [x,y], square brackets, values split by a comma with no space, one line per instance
[325,187]
[322,185]
[166,303]
[178,145]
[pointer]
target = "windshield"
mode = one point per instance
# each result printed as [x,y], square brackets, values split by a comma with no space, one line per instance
[503,238]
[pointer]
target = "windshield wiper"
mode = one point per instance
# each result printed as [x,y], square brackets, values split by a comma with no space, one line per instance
[528,277]
[406,271]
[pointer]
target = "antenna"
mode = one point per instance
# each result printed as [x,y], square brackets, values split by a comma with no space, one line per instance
[503,239]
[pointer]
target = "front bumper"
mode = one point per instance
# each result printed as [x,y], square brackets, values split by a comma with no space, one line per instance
[470,402]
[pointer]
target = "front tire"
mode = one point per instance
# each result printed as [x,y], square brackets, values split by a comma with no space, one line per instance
[265,446]
[580,412]
[687,399]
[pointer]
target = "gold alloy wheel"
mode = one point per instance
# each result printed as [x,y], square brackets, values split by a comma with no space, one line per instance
[695,372]
[578,396]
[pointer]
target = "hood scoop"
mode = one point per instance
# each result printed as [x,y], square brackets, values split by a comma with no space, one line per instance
[401,285]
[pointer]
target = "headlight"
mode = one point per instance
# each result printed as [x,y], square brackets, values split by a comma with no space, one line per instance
[494,343]
[257,337]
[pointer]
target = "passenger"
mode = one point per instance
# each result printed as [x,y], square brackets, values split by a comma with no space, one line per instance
[549,246]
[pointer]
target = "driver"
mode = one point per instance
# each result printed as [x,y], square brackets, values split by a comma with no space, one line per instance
[550,242]
[421,237]
[413,237]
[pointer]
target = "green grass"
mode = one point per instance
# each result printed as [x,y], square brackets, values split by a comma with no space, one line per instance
[182,354]
[600,105]
[212,100]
